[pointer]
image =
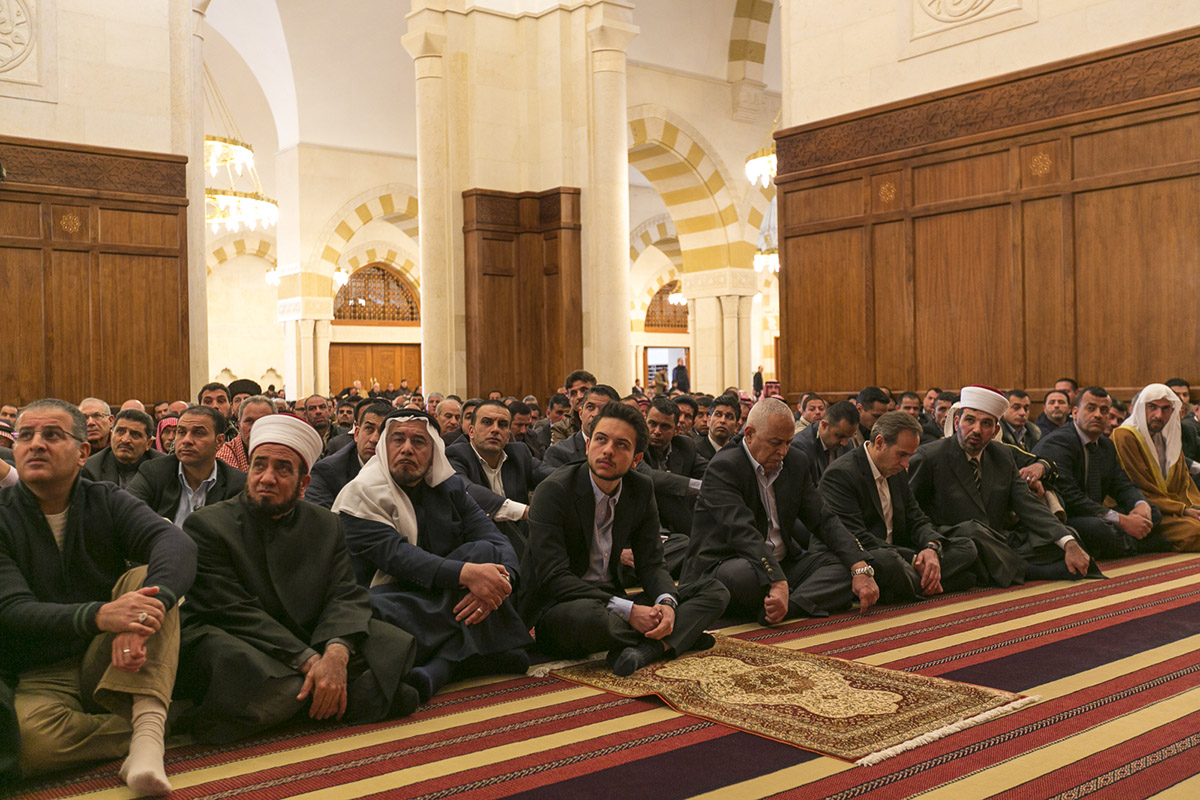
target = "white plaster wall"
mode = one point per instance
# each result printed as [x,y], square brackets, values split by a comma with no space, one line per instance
[845,56]
[243,334]
[644,203]
[114,78]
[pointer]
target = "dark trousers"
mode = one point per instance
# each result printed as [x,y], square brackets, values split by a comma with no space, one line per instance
[576,628]
[899,580]
[675,547]
[10,737]
[817,584]
[1102,539]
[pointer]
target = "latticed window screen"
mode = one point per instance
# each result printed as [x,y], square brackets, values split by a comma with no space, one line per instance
[661,315]
[377,293]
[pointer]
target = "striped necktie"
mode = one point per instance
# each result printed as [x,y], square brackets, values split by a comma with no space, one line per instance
[974,462]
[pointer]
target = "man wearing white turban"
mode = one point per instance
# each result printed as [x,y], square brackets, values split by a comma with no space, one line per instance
[436,565]
[275,622]
[1149,445]
[971,476]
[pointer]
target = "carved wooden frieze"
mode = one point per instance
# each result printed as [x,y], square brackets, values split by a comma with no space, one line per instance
[1108,81]
[99,171]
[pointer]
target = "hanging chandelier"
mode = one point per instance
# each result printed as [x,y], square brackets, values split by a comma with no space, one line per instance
[340,278]
[760,167]
[677,298]
[766,259]
[237,201]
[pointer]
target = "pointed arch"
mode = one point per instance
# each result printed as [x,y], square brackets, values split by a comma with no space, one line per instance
[381,252]
[393,202]
[748,39]
[233,245]
[657,232]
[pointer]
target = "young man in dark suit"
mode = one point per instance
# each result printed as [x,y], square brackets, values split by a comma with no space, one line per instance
[970,477]
[829,438]
[1088,471]
[192,476]
[756,506]
[582,517]
[331,474]
[723,415]
[574,446]
[868,490]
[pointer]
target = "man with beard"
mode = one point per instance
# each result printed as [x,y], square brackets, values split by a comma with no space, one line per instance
[872,403]
[316,413]
[521,429]
[723,416]
[1015,427]
[130,448]
[331,474]
[1149,447]
[687,415]
[1056,410]
[970,477]
[234,451]
[275,621]
[574,447]
[191,476]
[582,516]
[436,565]
[935,427]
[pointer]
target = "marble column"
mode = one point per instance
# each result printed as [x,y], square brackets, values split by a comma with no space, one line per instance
[694,371]
[729,339]
[746,365]
[607,344]
[187,137]
[306,358]
[426,43]
[322,336]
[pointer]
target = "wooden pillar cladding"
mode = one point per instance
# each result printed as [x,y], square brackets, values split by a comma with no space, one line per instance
[523,290]
[1009,232]
[93,253]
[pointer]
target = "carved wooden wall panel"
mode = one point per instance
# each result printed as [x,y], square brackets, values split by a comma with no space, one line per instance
[386,363]
[523,290]
[94,243]
[1010,232]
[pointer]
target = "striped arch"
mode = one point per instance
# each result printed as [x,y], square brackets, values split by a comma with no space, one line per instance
[658,232]
[638,306]
[381,252]
[693,185]
[748,39]
[395,203]
[240,244]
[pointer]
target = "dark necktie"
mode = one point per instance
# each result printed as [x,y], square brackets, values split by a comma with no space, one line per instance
[974,462]
[1093,472]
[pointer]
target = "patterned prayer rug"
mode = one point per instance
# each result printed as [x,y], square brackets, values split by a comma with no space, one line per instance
[828,705]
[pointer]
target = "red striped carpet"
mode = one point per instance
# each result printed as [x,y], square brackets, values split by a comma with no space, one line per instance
[1117,663]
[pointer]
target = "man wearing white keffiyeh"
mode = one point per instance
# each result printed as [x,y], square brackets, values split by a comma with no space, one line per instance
[1149,445]
[436,565]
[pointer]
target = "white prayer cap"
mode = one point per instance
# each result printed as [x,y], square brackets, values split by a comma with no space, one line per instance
[289,431]
[983,398]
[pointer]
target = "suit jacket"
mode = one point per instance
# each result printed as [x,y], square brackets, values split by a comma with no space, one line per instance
[6,455]
[808,443]
[675,510]
[533,444]
[1045,425]
[931,431]
[541,432]
[336,442]
[943,485]
[1032,434]
[849,490]
[520,473]
[331,474]
[704,447]
[103,465]
[157,485]
[561,532]
[573,448]
[731,521]
[1064,448]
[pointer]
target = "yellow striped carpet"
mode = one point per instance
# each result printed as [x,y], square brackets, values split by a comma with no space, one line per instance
[1116,663]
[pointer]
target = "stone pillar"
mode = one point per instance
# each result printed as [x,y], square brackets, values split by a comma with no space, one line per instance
[322,336]
[187,137]
[305,356]
[607,344]
[729,339]
[709,357]
[693,346]
[746,364]
[291,358]
[426,43]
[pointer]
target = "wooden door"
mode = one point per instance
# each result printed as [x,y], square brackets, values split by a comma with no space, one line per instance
[386,363]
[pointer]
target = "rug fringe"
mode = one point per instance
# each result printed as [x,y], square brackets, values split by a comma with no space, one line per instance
[542,670]
[946,730]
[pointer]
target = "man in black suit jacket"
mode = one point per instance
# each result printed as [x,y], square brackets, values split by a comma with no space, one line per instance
[160,483]
[723,415]
[754,495]
[582,517]
[674,456]
[1089,471]
[331,474]
[129,449]
[869,492]
[1015,427]
[829,438]
[943,482]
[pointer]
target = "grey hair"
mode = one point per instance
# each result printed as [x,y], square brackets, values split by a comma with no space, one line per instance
[78,421]
[257,398]
[894,423]
[96,399]
[767,409]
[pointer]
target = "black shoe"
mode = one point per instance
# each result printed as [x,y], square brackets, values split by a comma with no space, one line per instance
[632,659]
[705,641]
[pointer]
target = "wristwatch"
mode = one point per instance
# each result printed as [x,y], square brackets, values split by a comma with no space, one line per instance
[669,601]
[935,547]
[868,570]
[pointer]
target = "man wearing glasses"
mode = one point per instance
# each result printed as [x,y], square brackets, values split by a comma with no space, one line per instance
[90,648]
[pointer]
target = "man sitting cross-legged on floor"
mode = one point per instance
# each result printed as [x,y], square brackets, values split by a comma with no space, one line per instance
[436,564]
[581,518]
[275,622]
[757,507]
[868,490]
[91,644]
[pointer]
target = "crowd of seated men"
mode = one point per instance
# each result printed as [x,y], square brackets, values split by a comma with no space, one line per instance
[219,568]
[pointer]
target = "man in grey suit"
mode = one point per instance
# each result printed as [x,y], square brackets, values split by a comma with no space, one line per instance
[969,477]
[869,491]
